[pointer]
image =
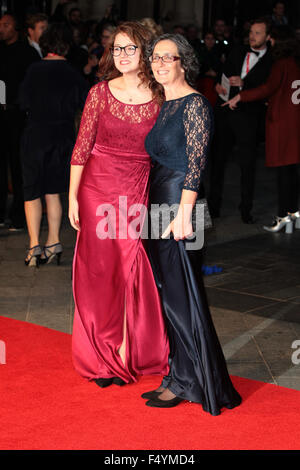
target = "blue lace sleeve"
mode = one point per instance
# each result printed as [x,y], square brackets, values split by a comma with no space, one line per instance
[197,119]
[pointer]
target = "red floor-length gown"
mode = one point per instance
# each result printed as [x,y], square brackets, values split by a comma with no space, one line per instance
[112,277]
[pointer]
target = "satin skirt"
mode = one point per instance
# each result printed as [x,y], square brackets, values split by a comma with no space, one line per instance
[113,281]
[198,370]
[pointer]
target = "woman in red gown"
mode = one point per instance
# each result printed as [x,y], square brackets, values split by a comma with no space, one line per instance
[119,331]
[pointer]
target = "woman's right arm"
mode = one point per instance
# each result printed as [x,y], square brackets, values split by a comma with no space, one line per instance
[83,147]
[268,88]
[261,92]
[75,177]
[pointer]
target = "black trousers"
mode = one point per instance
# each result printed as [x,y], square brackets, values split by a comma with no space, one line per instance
[288,189]
[11,127]
[242,128]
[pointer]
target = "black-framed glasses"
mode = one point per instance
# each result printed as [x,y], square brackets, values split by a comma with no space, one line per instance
[168,59]
[129,50]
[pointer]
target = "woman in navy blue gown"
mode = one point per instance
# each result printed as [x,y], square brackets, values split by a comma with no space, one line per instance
[178,145]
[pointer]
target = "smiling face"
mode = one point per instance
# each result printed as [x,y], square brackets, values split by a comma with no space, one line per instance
[167,73]
[126,63]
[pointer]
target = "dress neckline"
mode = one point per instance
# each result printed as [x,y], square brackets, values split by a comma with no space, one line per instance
[182,97]
[122,102]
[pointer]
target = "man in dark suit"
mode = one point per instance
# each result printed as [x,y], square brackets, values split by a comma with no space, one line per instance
[245,68]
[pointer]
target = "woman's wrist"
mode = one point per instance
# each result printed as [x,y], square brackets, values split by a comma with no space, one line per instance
[72,195]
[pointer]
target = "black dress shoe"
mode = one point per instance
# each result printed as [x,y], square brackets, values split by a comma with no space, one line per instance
[157,403]
[118,381]
[151,395]
[103,382]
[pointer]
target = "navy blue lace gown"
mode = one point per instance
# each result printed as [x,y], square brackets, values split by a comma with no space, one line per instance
[178,145]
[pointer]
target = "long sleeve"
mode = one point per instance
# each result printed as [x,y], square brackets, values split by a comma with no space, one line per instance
[88,126]
[268,88]
[198,128]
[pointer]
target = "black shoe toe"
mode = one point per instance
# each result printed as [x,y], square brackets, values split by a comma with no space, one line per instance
[103,382]
[118,381]
[150,395]
[158,403]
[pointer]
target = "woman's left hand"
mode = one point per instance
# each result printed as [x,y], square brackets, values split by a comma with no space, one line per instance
[180,228]
[233,102]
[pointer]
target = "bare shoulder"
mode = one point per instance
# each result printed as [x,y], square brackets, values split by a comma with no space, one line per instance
[116,83]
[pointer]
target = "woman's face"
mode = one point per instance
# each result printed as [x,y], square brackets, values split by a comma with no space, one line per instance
[167,73]
[209,41]
[130,62]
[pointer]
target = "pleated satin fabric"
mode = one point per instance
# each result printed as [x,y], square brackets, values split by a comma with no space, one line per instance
[111,273]
[198,370]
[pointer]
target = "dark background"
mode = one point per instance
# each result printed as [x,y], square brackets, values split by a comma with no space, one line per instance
[235,12]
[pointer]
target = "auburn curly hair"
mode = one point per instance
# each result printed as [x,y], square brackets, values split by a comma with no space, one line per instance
[141,36]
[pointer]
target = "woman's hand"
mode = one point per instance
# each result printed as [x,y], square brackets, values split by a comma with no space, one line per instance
[181,226]
[233,102]
[74,213]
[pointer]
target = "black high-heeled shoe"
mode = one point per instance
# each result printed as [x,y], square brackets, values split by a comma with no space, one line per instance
[118,381]
[49,255]
[103,383]
[150,395]
[157,403]
[33,256]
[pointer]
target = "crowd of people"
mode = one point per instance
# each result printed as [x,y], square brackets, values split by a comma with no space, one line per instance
[146,135]
[220,52]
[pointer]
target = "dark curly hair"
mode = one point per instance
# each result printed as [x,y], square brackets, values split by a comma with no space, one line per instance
[189,61]
[141,36]
[286,43]
[56,39]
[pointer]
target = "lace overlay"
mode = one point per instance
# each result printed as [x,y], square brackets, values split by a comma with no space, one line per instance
[108,122]
[181,136]
[197,125]
[88,126]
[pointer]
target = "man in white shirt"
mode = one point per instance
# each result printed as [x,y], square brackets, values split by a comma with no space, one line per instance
[245,68]
[36,25]
[258,47]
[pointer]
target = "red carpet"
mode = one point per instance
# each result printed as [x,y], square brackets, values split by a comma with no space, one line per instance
[46,405]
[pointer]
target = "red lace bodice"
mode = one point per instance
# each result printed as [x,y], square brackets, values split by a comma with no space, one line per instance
[108,122]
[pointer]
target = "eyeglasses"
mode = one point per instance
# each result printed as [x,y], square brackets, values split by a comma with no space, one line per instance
[168,59]
[129,50]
